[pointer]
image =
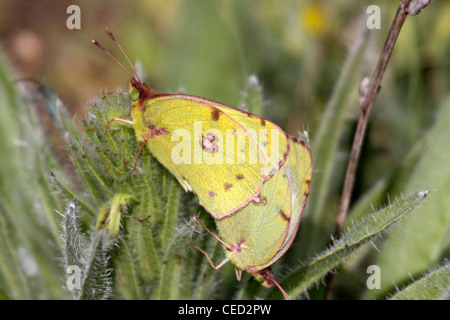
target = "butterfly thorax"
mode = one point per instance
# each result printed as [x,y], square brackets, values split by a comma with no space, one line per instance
[140,93]
[138,123]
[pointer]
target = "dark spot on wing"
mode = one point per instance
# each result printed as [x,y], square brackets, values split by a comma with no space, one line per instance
[215,114]
[284,216]
[259,200]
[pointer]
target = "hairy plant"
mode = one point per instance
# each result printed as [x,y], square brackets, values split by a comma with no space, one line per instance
[102,228]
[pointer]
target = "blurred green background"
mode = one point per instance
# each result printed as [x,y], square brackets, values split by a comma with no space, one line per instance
[207,48]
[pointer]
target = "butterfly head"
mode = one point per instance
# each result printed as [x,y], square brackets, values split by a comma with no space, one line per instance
[139,91]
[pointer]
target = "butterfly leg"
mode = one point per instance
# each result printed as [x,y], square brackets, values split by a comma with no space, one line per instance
[231,248]
[112,120]
[207,257]
[139,153]
[238,273]
[129,122]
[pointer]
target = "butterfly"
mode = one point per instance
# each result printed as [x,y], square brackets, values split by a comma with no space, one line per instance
[251,176]
[223,154]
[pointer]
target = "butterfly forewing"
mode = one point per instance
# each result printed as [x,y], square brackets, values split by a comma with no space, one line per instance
[221,153]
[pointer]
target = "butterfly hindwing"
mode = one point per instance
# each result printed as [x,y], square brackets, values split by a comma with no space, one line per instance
[299,171]
[258,229]
[263,231]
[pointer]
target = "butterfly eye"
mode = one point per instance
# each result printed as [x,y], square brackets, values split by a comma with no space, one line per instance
[134,94]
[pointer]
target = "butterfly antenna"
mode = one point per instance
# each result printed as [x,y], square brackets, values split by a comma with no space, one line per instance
[112,57]
[109,33]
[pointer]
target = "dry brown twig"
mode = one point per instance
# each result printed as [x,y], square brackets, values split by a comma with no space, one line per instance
[368,90]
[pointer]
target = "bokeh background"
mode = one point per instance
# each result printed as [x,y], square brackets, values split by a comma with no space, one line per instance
[208,48]
[297,50]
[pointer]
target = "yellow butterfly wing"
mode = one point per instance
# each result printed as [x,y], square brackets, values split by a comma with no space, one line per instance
[261,233]
[299,168]
[223,154]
